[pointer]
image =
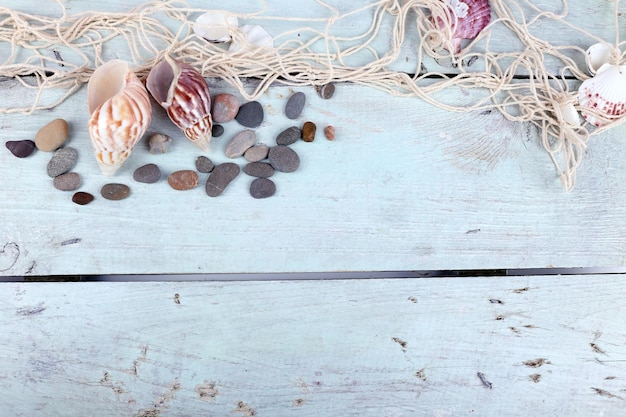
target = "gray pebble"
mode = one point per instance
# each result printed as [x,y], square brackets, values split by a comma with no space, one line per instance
[148,174]
[295,105]
[21,148]
[159,143]
[256,153]
[114,191]
[250,114]
[289,136]
[204,164]
[259,169]
[262,188]
[240,143]
[69,181]
[284,159]
[220,177]
[62,161]
[217,131]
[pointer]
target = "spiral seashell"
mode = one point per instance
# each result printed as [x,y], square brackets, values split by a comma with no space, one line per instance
[469,18]
[602,98]
[120,111]
[184,93]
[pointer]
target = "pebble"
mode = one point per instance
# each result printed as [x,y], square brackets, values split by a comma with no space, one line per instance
[62,161]
[224,108]
[69,181]
[148,174]
[329,132]
[295,105]
[240,143]
[327,91]
[82,198]
[50,137]
[250,114]
[308,132]
[159,143]
[289,136]
[259,169]
[284,159]
[21,148]
[115,191]
[256,153]
[220,177]
[217,131]
[204,164]
[183,180]
[262,188]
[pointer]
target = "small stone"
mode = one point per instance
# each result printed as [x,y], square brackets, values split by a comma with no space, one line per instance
[148,174]
[262,188]
[289,136]
[115,191]
[250,114]
[159,143]
[259,169]
[308,132]
[329,132]
[21,148]
[295,105]
[224,108]
[256,153]
[50,137]
[62,161]
[240,143]
[183,180]
[220,177]
[284,159]
[69,181]
[217,131]
[327,91]
[204,164]
[82,198]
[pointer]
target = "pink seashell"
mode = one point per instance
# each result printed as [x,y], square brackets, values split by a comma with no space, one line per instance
[184,93]
[469,18]
[120,111]
[602,98]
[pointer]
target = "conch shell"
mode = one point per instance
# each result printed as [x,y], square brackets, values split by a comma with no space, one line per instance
[120,111]
[184,93]
[602,98]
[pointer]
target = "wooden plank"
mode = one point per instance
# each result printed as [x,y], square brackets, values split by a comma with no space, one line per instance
[549,344]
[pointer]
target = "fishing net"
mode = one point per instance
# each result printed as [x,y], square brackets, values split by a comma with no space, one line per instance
[536,81]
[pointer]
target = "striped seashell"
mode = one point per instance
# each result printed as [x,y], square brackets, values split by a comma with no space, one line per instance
[602,98]
[469,18]
[184,93]
[120,113]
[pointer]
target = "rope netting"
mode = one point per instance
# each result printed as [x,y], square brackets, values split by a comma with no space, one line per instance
[61,52]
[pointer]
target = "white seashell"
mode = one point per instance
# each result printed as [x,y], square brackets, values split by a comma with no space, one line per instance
[254,37]
[120,111]
[602,98]
[569,114]
[215,26]
[184,93]
[598,54]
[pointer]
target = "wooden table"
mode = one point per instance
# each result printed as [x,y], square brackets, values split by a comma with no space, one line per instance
[404,187]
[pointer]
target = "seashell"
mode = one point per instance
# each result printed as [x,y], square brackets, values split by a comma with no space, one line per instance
[602,98]
[569,114]
[598,54]
[184,93]
[254,37]
[469,18]
[215,26]
[120,111]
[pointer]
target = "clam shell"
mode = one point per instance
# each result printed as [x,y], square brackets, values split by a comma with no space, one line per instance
[184,93]
[253,37]
[602,98]
[215,26]
[470,17]
[120,113]
[597,55]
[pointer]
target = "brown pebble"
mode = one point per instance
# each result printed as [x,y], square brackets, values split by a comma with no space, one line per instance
[50,137]
[67,182]
[183,180]
[327,91]
[329,132]
[82,198]
[308,132]
[115,191]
